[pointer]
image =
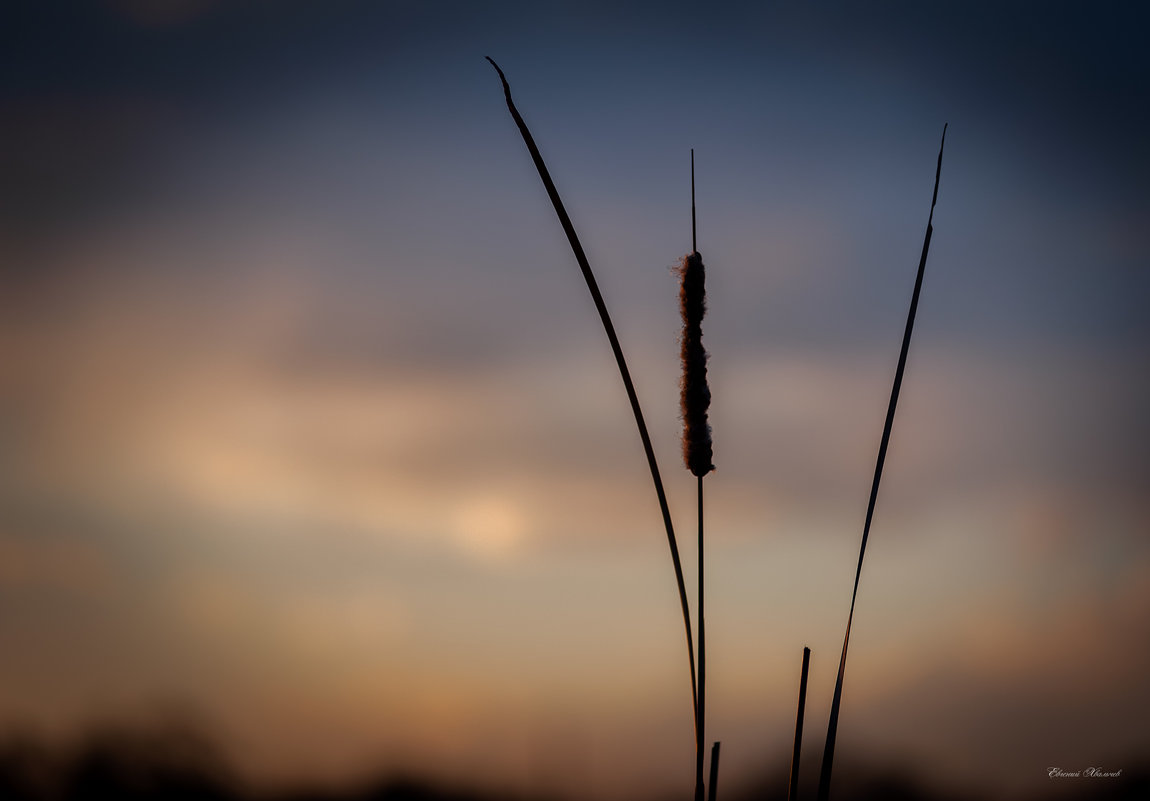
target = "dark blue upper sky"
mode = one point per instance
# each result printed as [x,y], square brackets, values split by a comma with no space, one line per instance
[102,101]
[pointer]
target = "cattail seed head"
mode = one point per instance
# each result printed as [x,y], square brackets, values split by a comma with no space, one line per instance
[694,395]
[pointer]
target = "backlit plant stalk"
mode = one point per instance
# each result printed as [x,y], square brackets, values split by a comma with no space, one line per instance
[832,726]
[796,753]
[695,398]
[601,306]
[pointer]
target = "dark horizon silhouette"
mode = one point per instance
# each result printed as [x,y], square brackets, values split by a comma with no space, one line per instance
[180,763]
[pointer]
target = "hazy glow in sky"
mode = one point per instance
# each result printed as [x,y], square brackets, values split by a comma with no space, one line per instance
[308,430]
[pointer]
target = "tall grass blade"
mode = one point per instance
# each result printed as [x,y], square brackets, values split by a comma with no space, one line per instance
[832,726]
[793,787]
[601,306]
[714,786]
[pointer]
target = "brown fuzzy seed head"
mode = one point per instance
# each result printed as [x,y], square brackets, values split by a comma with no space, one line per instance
[695,396]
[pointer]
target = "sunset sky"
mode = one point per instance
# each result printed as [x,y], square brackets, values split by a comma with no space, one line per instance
[310,435]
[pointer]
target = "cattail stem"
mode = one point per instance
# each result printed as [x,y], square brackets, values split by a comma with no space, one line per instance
[701,725]
[714,786]
[601,306]
[695,398]
[793,787]
[832,726]
[694,244]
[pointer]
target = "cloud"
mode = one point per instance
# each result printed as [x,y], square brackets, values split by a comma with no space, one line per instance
[62,566]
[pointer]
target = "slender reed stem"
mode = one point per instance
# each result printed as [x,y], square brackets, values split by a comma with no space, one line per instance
[695,397]
[700,727]
[793,788]
[832,726]
[714,786]
[601,306]
[694,244]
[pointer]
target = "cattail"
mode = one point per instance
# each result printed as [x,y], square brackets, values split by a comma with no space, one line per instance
[695,396]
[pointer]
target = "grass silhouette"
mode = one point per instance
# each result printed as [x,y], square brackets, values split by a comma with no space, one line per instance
[832,725]
[697,454]
[624,373]
[697,451]
[793,781]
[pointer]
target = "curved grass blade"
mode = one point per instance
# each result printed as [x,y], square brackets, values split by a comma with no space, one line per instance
[832,726]
[597,296]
